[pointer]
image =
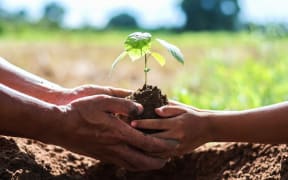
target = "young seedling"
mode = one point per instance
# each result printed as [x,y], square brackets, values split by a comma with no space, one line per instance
[138,44]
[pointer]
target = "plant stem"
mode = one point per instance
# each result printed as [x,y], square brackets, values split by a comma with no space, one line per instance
[145,70]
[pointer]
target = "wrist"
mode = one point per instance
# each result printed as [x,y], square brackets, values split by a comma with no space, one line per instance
[223,127]
[28,117]
[51,126]
[59,96]
[64,123]
[208,119]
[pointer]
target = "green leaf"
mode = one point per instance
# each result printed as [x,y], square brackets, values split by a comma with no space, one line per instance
[159,58]
[135,54]
[175,51]
[138,44]
[119,58]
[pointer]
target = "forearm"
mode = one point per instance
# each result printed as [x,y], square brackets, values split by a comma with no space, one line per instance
[263,125]
[25,116]
[28,83]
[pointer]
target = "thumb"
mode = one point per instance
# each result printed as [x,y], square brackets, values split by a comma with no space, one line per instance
[170,111]
[121,106]
[118,92]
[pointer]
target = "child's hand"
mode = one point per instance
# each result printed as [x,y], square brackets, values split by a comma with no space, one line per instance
[185,125]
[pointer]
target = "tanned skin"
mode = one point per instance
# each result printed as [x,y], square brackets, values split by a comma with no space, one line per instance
[192,127]
[81,119]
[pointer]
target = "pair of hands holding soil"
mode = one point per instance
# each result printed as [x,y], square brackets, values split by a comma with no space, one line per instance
[81,119]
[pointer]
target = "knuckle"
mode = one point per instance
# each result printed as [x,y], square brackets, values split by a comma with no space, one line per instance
[103,100]
[157,164]
[180,123]
[131,107]
[109,90]
[181,135]
[129,104]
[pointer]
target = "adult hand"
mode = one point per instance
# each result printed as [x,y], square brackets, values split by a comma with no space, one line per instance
[65,96]
[89,127]
[32,85]
[185,125]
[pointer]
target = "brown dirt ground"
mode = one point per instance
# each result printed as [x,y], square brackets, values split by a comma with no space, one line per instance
[28,159]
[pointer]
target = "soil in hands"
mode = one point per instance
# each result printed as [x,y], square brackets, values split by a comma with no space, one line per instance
[150,97]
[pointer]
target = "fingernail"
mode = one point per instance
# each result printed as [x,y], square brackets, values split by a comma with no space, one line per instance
[159,109]
[133,124]
[139,107]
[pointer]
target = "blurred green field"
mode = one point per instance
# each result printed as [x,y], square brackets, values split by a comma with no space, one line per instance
[222,70]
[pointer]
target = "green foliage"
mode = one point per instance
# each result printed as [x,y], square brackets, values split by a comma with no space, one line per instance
[53,14]
[225,70]
[159,58]
[211,14]
[176,53]
[249,83]
[122,21]
[138,44]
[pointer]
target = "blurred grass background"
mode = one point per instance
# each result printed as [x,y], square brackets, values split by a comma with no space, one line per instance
[223,70]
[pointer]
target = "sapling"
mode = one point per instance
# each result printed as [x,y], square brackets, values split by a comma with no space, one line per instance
[138,45]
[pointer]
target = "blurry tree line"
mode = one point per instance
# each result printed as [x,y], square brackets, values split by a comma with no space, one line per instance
[207,15]
[52,18]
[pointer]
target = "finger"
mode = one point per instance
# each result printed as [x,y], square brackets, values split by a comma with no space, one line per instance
[131,159]
[176,103]
[143,142]
[114,160]
[167,154]
[119,92]
[170,111]
[168,136]
[138,161]
[173,142]
[89,89]
[160,124]
[120,106]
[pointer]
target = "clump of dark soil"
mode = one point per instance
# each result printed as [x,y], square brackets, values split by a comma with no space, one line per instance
[150,97]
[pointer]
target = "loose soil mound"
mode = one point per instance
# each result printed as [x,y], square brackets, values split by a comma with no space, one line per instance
[28,159]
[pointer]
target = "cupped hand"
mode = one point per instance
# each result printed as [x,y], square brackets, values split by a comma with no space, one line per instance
[89,127]
[185,125]
[68,95]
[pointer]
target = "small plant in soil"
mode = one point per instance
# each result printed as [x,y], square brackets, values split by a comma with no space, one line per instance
[137,46]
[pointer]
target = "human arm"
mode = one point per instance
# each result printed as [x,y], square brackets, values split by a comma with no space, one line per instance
[25,116]
[86,126]
[32,85]
[267,124]
[193,128]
